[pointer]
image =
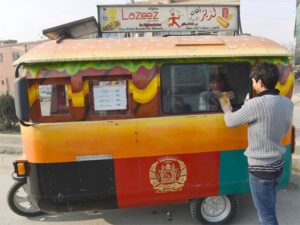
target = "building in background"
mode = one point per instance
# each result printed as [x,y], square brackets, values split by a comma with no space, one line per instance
[11,50]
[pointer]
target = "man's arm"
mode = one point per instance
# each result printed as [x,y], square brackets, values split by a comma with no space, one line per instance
[234,119]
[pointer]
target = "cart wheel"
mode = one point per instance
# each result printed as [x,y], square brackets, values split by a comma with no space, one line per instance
[213,210]
[18,201]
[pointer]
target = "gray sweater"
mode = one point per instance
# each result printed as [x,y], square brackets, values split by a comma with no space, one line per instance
[269,118]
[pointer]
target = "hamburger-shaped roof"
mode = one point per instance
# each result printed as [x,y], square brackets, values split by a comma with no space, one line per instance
[152,48]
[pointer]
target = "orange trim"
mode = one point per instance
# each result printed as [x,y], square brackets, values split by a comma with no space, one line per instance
[63,142]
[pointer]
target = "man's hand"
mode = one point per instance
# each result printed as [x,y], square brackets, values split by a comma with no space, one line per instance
[229,94]
[225,103]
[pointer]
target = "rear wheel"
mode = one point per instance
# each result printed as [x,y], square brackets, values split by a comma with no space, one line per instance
[18,201]
[213,210]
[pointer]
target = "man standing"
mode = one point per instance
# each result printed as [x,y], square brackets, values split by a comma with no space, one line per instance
[268,116]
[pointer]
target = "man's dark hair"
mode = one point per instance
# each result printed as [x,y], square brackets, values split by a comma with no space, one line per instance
[266,72]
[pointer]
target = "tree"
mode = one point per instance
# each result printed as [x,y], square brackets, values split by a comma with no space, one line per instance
[7,111]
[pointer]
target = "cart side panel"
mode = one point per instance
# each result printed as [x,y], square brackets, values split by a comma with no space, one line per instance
[234,171]
[166,179]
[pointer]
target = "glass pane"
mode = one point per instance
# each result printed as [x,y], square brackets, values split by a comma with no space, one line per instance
[191,88]
[53,100]
[45,99]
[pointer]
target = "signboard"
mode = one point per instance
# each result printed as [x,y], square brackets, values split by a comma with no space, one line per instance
[110,95]
[168,18]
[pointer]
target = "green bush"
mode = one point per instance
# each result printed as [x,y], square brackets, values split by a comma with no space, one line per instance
[8,119]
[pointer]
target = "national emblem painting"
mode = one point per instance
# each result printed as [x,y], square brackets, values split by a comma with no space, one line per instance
[168,174]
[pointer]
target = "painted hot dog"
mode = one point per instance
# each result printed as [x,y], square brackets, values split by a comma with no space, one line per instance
[222,22]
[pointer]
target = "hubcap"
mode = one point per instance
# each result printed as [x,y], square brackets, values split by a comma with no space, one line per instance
[215,209]
[21,201]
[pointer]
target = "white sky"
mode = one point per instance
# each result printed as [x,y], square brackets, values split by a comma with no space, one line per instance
[24,20]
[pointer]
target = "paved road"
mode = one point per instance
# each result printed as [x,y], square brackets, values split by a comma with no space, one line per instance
[288,210]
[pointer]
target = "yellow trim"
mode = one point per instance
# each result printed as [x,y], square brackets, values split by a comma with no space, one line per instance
[147,94]
[69,91]
[158,80]
[33,94]
[285,88]
[78,98]
[86,87]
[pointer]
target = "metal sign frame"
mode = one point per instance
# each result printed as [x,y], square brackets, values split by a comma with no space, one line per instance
[144,15]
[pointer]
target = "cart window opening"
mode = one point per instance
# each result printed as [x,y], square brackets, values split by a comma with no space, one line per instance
[53,100]
[109,97]
[191,88]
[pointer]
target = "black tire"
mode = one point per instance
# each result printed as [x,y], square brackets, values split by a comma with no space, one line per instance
[224,208]
[14,195]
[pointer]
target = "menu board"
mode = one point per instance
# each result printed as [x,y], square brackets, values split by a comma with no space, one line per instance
[110,96]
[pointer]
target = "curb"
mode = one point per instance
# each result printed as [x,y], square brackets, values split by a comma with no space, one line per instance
[10,149]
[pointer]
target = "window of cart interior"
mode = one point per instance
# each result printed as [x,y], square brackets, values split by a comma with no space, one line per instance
[105,98]
[49,99]
[109,98]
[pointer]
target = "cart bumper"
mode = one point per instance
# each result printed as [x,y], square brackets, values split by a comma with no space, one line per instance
[72,186]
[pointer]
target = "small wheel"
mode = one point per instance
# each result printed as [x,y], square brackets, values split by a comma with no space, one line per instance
[18,202]
[213,210]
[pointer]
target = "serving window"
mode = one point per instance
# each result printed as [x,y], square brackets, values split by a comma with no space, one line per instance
[196,88]
[53,100]
[109,97]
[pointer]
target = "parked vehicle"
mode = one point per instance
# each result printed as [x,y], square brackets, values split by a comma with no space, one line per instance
[114,134]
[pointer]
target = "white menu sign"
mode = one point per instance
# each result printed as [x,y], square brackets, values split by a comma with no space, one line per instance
[110,97]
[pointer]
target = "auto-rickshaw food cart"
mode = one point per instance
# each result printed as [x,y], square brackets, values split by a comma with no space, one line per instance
[102,126]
